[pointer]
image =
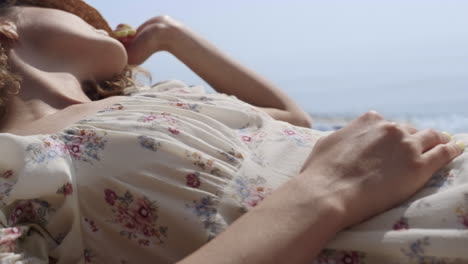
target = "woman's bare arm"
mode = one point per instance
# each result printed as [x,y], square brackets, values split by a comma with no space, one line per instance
[290,226]
[223,73]
[348,178]
[286,116]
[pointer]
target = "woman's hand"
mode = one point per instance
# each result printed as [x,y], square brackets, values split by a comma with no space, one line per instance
[352,174]
[150,38]
[220,71]
[372,165]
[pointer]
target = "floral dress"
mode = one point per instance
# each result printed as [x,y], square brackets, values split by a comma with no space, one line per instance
[154,177]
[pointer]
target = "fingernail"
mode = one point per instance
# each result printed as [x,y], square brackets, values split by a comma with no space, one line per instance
[447,134]
[461,145]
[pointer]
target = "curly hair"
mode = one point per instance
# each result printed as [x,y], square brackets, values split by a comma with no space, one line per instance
[10,82]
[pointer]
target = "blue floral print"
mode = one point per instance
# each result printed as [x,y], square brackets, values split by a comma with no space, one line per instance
[205,210]
[83,145]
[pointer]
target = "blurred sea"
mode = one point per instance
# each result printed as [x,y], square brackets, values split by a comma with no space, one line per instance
[450,122]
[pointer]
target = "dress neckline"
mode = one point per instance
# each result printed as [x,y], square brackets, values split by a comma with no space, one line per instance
[76,123]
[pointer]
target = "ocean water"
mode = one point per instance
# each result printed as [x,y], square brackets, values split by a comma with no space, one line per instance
[453,123]
[450,122]
[438,101]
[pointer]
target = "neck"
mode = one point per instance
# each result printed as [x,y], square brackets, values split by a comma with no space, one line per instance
[42,94]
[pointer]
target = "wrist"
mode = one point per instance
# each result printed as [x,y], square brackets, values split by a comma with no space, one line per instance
[315,198]
[286,227]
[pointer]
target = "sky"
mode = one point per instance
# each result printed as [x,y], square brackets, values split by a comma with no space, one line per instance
[398,56]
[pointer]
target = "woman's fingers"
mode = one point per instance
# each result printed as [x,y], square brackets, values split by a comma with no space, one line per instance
[142,46]
[373,117]
[442,154]
[430,138]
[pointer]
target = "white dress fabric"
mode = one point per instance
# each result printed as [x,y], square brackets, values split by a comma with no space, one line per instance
[154,177]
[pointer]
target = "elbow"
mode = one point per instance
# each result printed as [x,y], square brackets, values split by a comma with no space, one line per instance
[306,122]
[302,120]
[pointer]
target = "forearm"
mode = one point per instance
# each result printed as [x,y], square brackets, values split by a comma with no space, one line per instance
[290,226]
[224,74]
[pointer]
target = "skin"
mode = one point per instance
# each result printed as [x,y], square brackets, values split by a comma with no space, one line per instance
[55,67]
[52,86]
[223,73]
[367,167]
[347,178]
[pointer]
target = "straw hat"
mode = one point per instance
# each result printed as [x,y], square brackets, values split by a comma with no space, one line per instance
[77,7]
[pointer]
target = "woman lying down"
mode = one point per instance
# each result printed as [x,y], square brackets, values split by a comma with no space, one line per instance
[94,169]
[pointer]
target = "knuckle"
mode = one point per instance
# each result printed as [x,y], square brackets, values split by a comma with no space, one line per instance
[372,115]
[409,145]
[431,133]
[391,128]
[444,150]
[162,19]
[165,17]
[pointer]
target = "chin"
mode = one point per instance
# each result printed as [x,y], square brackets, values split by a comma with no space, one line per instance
[123,58]
[113,62]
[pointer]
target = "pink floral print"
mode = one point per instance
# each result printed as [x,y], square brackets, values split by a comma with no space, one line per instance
[114,107]
[66,189]
[246,138]
[158,119]
[296,135]
[6,174]
[251,191]
[7,182]
[88,255]
[289,132]
[462,212]
[328,256]
[202,163]
[8,239]
[251,138]
[193,180]
[83,145]
[137,217]
[203,186]
[232,156]
[30,211]
[401,224]
[174,131]
[91,224]
[187,106]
